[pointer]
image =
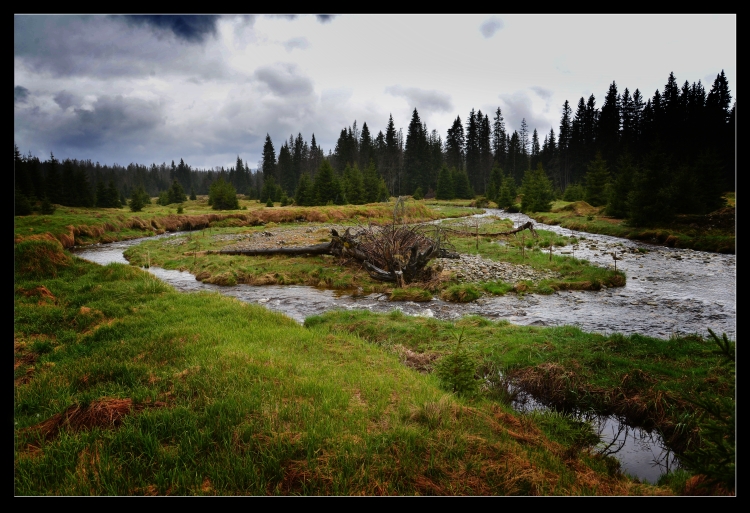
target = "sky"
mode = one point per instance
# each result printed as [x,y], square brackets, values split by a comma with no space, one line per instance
[206,89]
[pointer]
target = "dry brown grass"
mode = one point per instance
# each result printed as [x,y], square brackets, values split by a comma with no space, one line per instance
[104,413]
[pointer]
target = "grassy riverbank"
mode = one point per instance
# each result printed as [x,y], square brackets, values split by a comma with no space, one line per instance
[125,387]
[189,252]
[650,382]
[714,232]
[80,226]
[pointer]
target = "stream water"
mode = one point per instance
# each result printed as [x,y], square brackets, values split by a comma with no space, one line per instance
[668,292]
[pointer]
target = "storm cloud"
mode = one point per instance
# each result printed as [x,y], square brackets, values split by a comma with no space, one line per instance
[428,100]
[108,47]
[20,94]
[191,28]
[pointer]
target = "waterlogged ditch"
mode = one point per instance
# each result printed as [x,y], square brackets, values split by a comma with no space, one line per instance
[668,292]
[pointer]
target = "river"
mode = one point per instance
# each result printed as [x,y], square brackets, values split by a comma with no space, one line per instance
[668,292]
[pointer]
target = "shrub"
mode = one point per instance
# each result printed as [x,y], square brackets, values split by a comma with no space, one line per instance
[456,371]
[223,196]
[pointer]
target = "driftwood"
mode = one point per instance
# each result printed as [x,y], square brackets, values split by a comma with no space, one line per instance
[527,225]
[391,253]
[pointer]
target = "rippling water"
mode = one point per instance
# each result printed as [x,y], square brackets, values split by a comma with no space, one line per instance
[668,291]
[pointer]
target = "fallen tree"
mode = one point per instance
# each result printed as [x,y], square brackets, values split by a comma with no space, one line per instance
[527,225]
[392,253]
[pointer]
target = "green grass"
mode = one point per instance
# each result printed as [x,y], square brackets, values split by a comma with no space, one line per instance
[123,386]
[651,381]
[704,233]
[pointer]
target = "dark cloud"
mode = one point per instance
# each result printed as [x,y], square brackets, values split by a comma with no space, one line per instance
[429,101]
[112,119]
[283,80]
[542,92]
[65,99]
[490,26]
[106,47]
[191,28]
[20,94]
[325,18]
[296,42]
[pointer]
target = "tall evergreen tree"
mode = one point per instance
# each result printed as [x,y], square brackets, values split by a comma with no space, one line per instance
[416,155]
[499,138]
[269,159]
[563,144]
[472,151]
[485,150]
[455,145]
[608,130]
[285,171]
[365,147]
[390,168]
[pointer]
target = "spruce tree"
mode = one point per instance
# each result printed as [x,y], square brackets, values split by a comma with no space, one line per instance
[176,193]
[223,195]
[327,187]
[445,189]
[455,145]
[353,185]
[597,179]
[461,185]
[496,181]
[139,199]
[506,196]
[268,165]
[537,191]
[374,185]
[304,195]
[499,143]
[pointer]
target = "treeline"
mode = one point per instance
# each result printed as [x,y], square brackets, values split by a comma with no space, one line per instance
[646,160]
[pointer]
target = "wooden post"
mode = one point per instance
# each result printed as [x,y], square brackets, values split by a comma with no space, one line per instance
[550,252]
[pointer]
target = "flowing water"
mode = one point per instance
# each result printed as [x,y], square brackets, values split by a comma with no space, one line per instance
[668,292]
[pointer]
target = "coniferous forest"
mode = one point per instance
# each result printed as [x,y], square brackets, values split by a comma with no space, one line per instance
[644,158]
